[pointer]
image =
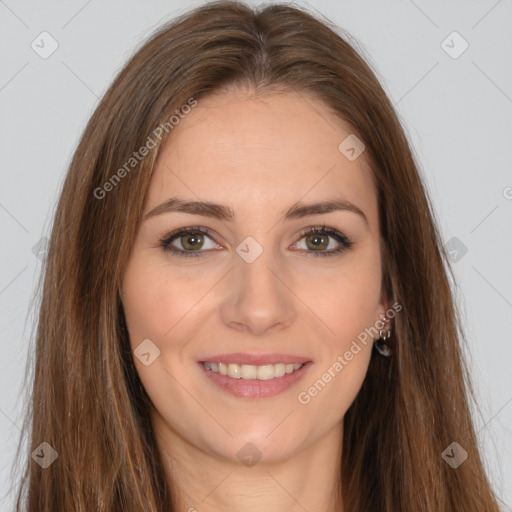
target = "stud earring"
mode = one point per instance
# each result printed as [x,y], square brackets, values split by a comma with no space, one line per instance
[380,344]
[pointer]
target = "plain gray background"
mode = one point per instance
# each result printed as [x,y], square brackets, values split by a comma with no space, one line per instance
[456,108]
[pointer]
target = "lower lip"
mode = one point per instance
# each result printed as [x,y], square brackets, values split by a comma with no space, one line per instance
[254,388]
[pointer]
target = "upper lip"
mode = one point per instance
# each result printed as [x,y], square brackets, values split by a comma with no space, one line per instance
[255,359]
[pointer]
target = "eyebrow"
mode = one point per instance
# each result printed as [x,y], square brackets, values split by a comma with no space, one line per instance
[225,213]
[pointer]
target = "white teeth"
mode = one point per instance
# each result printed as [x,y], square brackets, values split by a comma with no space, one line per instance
[233,371]
[279,369]
[249,371]
[266,372]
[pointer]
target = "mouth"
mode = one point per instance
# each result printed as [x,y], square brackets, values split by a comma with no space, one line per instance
[252,372]
[254,380]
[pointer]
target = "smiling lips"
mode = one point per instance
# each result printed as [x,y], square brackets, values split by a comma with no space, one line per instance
[249,371]
[254,375]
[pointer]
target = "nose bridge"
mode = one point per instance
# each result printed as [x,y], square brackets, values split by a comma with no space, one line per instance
[258,299]
[258,280]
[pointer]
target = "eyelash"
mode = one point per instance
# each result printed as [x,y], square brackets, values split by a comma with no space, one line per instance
[166,239]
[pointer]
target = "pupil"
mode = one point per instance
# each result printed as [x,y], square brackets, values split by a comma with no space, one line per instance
[318,240]
[192,240]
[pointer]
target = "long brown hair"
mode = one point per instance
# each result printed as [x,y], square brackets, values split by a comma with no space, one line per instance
[87,401]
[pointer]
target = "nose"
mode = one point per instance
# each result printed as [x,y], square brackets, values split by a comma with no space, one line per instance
[259,298]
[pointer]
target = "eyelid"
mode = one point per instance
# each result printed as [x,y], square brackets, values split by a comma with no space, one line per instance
[343,240]
[166,238]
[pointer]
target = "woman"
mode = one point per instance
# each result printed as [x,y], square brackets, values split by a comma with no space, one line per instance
[246,291]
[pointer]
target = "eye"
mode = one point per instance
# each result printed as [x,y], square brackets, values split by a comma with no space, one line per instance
[189,241]
[318,239]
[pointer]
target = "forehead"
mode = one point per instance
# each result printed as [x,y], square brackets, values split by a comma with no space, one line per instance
[261,152]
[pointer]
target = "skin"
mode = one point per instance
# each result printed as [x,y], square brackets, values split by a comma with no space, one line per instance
[258,156]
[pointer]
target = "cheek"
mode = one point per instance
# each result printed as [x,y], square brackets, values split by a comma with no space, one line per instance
[345,353]
[333,388]
[348,304]
[350,298]
[156,302]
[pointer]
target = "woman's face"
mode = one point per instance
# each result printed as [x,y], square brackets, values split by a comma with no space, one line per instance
[255,293]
